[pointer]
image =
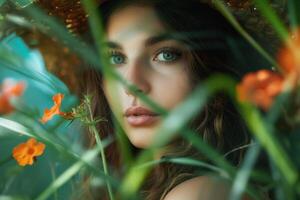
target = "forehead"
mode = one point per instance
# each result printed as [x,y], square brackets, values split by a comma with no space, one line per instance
[127,22]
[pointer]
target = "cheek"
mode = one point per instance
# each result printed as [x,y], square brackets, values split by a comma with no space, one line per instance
[114,97]
[173,90]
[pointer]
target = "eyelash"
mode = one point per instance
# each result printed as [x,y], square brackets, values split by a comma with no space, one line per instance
[115,53]
[173,51]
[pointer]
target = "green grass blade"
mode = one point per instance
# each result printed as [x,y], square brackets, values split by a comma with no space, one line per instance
[193,162]
[14,63]
[227,14]
[123,144]
[243,174]
[180,116]
[54,176]
[277,107]
[293,13]
[6,197]
[68,174]
[269,13]
[51,27]
[22,3]
[109,73]
[174,123]
[186,161]
[15,127]
[94,131]
[98,34]
[136,175]
[278,189]
[37,132]
[209,152]
[2,2]
[258,127]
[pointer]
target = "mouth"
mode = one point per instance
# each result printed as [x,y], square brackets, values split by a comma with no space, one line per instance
[140,116]
[142,120]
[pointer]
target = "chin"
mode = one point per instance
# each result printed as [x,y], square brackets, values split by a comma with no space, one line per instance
[140,138]
[141,144]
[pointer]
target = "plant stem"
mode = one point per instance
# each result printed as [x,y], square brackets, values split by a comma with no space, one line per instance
[99,143]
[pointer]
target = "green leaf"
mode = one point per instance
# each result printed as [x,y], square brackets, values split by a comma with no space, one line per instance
[22,3]
[69,173]
[243,174]
[209,152]
[293,13]
[16,127]
[6,197]
[269,141]
[12,62]
[2,2]
[269,13]
[175,123]
[51,27]
[136,175]
[179,117]
[38,132]
[193,162]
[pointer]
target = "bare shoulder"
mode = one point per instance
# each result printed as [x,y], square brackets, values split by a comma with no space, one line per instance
[201,187]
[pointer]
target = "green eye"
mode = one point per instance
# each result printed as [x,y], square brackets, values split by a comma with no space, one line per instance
[116,59]
[168,55]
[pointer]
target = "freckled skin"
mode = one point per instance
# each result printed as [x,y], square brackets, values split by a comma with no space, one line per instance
[167,84]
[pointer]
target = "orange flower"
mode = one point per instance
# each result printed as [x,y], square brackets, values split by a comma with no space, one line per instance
[9,89]
[260,88]
[289,55]
[25,153]
[55,110]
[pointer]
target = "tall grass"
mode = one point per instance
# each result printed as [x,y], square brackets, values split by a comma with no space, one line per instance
[74,164]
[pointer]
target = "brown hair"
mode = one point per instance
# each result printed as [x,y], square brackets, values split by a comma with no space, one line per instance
[207,34]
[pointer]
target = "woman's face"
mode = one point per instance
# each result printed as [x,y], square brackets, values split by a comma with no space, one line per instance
[142,52]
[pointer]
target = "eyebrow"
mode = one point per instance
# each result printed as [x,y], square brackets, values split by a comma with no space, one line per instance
[149,41]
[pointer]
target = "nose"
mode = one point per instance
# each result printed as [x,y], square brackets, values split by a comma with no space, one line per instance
[137,74]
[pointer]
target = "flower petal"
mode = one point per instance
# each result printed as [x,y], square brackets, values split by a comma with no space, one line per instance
[9,89]
[39,149]
[260,88]
[31,142]
[25,153]
[57,99]
[5,106]
[54,110]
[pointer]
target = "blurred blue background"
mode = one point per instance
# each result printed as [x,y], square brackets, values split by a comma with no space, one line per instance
[19,62]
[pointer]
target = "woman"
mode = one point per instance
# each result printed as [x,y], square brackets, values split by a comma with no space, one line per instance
[166,48]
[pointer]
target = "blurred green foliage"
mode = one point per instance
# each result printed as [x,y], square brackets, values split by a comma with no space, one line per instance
[66,163]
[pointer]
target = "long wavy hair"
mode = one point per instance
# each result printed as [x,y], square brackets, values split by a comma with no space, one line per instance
[210,39]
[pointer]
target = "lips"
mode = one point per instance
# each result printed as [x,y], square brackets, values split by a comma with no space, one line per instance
[138,110]
[139,116]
